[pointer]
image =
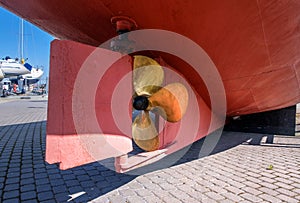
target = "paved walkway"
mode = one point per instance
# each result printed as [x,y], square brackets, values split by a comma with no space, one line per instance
[242,168]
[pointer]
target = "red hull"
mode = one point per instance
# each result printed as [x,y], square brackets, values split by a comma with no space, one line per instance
[253,44]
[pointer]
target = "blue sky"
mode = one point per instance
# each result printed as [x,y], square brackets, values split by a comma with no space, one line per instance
[36,42]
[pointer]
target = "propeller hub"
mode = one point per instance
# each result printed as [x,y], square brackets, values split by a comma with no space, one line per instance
[140,103]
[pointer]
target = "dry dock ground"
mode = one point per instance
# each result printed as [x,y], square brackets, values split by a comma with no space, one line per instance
[243,167]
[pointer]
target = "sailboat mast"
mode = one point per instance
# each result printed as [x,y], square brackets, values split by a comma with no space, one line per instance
[22,38]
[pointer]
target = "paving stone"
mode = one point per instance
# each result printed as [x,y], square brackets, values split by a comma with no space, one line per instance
[14,166]
[51,170]
[294,175]
[69,177]
[269,185]
[171,199]
[30,201]
[40,165]
[118,199]
[232,197]
[61,197]
[103,184]
[101,178]
[288,199]
[296,190]
[295,180]
[143,192]
[28,195]
[84,177]
[93,172]
[214,196]
[27,170]
[1,185]
[127,192]
[10,187]
[40,175]
[11,194]
[284,180]
[284,185]
[71,183]
[43,188]
[27,181]
[75,189]
[85,184]
[297,197]
[26,175]
[234,190]
[13,174]
[135,186]
[12,180]
[286,192]
[107,189]
[25,188]
[112,179]
[136,199]
[226,201]
[79,172]
[13,200]
[224,184]
[269,180]
[154,199]
[164,186]
[45,196]
[42,170]
[251,190]
[269,198]
[269,191]
[251,197]
[54,176]
[57,182]
[59,189]
[101,200]
[218,189]
[236,184]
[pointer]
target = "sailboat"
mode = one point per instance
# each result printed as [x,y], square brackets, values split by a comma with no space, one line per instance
[16,69]
[13,67]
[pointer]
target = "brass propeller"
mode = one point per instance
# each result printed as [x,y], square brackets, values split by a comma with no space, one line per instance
[170,101]
[144,132]
[148,75]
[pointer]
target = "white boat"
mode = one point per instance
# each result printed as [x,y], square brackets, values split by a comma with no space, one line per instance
[13,67]
[30,78]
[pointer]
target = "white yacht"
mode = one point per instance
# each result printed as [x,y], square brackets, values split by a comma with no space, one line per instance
[13,67]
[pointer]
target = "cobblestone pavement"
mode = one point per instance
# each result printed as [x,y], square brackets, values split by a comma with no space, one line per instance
[243,168]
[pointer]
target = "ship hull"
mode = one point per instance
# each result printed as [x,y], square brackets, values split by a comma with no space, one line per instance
[254,46]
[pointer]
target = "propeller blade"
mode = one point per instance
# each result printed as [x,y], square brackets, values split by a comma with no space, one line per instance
[148,75]
[144,132]
[172,100]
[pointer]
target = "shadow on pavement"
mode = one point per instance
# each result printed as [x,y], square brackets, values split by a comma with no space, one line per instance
[24,175]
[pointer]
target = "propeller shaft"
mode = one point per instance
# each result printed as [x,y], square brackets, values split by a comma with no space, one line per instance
[140,103]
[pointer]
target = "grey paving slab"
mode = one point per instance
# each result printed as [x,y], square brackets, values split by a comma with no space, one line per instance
[238,170]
